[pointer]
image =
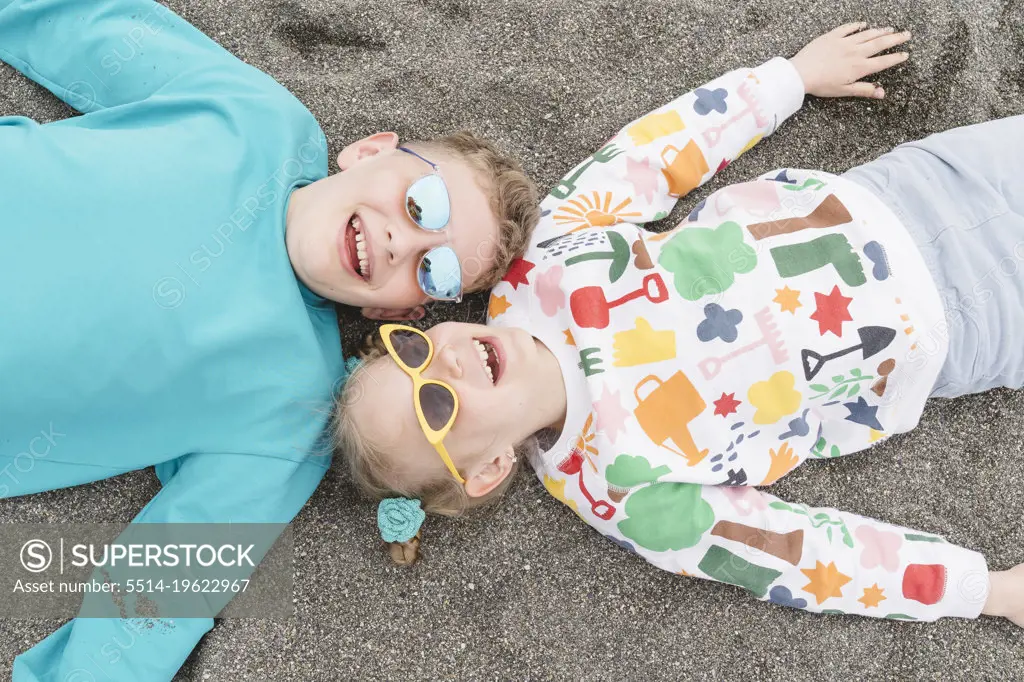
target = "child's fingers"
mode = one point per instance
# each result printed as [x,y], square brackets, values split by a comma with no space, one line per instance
[862,89]
[847,29]
[883,43]
[871,34]
[885,61]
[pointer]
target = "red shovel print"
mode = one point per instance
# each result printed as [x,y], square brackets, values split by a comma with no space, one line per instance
[573,465]
[590,307]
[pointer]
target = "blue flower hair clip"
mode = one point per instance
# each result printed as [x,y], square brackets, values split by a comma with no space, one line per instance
[352,364]
[399,519]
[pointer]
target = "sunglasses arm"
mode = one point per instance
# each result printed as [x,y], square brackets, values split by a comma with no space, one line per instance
[443,451]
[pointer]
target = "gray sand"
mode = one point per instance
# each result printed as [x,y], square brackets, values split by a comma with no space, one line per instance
[529,592]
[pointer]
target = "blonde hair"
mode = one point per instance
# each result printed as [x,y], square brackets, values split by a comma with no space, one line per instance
[371,469]
[513,197]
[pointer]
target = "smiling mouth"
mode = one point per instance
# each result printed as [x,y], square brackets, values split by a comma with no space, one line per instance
[489,358]
[357,245]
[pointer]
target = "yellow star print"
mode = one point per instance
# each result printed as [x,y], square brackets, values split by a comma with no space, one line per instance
[873,596]
[826,581]
[497,306]
[788,300]
[569,340]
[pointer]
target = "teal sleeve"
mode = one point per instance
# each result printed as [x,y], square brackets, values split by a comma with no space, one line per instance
[95,54]
[206,488]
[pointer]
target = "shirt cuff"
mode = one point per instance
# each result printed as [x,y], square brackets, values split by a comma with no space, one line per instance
[967,584]
[781,89]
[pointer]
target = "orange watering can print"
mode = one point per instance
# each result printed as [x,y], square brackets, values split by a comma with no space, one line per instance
[666,411]
[686,169]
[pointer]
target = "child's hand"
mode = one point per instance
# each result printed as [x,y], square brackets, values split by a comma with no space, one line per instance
[1006,595]
[833,64]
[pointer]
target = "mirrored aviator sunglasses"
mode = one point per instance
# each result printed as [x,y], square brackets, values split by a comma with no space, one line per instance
[429,206]
[440,274]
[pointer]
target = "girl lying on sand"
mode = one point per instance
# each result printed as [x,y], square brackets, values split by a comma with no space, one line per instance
[654,379]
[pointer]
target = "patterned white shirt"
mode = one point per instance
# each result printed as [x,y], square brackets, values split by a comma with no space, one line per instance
[784,320]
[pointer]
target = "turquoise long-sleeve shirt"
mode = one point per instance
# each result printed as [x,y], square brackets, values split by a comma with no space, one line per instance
[150,314]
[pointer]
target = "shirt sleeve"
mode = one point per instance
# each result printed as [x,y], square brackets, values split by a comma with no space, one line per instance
[204,488]
[105,53]
[640,173]
[817,559]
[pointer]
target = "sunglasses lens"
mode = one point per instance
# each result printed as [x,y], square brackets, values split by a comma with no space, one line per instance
[428,204]
[440,274]
[438,405]
[411,348]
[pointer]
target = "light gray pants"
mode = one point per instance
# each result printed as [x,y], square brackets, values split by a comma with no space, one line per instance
[960,194]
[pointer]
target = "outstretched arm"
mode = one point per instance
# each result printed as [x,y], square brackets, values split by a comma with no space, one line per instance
[204,489]
[641,173]
[817,559]
[104,53]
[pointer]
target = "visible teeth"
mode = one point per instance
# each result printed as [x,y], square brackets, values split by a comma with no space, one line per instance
[363,265]
[359,237]
[482,351]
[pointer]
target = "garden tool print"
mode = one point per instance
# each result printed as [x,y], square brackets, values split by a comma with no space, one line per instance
[572,465]
[591,309]
[665,412]
[829,213]
[770,337]
[568,184]
[713,134]
[591,361]
[787,546]
[873,340]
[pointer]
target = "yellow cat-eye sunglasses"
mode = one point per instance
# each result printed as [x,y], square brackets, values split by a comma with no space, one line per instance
[436,402]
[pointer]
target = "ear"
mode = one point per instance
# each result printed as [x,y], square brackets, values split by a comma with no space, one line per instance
[365,148]
[395,314]
[490,474]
